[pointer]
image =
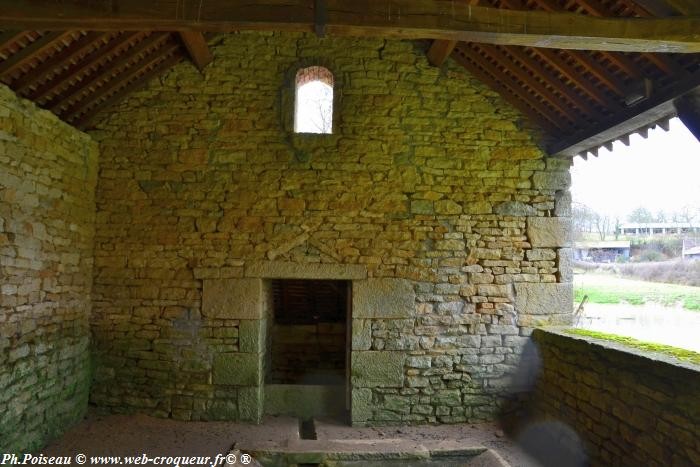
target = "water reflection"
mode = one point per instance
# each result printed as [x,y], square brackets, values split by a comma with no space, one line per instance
[650,322]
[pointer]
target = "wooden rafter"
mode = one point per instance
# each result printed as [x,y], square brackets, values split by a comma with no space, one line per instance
[197,48]
[39,46]
[10,36]
[508,95]
[87,64]
[148,62]
[439,51]
[510,66]
[87,115]
[553,81]
[571,73]
[77,49]
[113,68]
[408,19]
[470,52]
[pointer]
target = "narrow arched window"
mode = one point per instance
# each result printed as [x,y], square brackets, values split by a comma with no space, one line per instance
[313,104]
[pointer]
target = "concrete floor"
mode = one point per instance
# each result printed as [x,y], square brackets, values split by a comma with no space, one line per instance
[134,435]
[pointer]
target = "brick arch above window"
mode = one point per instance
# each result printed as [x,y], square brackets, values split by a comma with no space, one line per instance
[314,73]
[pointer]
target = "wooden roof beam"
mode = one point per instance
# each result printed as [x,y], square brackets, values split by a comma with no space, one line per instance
[407,19]
[439,51]
[656,109]
[197,48]
[688,109]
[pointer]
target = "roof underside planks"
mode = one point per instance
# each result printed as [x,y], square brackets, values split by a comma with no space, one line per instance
[581,99]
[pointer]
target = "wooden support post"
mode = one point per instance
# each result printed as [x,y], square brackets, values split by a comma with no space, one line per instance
[197,48]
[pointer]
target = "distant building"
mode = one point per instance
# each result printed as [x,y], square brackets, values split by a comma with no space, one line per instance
[658,228]
[602,252]
[691,249]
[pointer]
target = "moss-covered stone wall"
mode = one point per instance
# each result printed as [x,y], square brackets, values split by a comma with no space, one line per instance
[429,179]
[601,403]
[48,172]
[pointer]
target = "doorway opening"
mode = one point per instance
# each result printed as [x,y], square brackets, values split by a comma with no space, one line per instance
[308,357]
[308,335]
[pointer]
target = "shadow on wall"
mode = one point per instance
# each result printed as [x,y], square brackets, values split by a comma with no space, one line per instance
[551,442]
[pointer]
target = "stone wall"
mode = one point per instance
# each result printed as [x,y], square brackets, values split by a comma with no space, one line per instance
[604,404]
[430,185]
[48,172]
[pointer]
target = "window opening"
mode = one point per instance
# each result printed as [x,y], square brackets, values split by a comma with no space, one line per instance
[313,107]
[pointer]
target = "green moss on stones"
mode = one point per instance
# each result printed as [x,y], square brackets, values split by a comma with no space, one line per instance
[680,354]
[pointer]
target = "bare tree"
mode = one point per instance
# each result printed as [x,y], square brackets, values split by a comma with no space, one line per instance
[602,225]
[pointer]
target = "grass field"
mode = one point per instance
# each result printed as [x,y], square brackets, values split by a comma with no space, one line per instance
[602,288]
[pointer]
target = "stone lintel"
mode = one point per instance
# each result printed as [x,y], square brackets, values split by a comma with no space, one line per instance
[289,270]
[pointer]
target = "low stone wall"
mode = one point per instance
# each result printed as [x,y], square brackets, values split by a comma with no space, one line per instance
[48,172]
[626,407]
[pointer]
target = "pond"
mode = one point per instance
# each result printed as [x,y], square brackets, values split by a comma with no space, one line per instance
[650,322]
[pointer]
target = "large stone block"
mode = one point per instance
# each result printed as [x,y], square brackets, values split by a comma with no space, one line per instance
[251,335]
[562,203]
[378,369]
[250,403]
[549,232]
[361,334]
[556,180]
[238,369]
[361,405]
[383,298]
[544,298]
[515,208]
[565,258]
[288,270]
[233,298]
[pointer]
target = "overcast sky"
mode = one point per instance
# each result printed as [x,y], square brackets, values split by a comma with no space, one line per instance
[659,173]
